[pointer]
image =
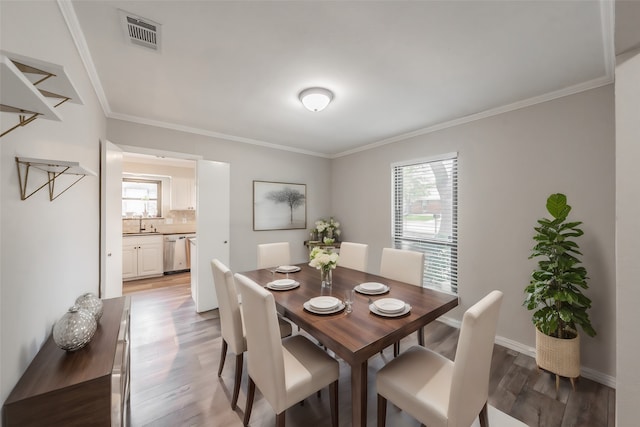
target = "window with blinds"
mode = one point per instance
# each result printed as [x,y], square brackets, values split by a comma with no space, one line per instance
[425,216]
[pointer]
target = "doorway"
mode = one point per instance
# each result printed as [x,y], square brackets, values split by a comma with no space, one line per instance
[209,178]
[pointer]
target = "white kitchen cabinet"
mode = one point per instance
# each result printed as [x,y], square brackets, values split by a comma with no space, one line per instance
[141,256]
[183,193]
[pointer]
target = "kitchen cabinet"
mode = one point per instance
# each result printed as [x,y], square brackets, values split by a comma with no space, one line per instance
[141,256]
[183,193]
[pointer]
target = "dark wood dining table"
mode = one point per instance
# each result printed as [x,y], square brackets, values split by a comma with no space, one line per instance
[359,335]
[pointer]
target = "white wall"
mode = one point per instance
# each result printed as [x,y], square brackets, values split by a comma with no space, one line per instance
[248,163]
[49,249]
[508,165]
[627,232]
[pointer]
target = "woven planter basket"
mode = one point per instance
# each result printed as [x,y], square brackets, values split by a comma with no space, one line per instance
[559,356]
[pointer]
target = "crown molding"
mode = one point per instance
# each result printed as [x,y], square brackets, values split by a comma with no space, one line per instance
[607,23]
[212,134]
[581,87]
[70,17]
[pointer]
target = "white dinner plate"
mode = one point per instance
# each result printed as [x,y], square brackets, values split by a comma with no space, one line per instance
[389,305]
[336,309]
[282,288]
[287,269]
[384,289]
[282,283]
[323,303]
[371,286]
[374,310]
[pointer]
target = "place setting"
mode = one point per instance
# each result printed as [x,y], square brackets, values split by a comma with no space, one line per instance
[282,284]
[287,269]
[324,305]
[389,307]
[372,288]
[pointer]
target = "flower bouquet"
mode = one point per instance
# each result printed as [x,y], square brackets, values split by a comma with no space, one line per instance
[324,260]
[330,230]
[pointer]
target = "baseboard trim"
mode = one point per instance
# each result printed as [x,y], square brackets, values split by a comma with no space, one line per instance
[589,373]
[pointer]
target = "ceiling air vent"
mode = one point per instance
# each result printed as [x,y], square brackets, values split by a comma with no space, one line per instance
[141,31]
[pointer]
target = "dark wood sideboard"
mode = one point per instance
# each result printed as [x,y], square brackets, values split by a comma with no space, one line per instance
[86,387]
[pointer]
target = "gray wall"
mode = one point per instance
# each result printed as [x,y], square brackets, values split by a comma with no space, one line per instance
[508,165]
[248,163]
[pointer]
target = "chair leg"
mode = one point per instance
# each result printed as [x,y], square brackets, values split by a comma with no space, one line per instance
[280,419]
[421,337]
[236,386]
[396,349]
[251,391]
[333,403]
[382,411]
[484,416]
[223,355]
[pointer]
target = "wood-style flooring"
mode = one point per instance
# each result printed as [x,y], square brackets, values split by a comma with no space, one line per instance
[174,362]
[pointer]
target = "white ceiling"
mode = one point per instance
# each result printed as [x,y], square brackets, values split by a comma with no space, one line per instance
[234,68]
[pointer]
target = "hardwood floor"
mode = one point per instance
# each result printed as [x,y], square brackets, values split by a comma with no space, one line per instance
[175,353]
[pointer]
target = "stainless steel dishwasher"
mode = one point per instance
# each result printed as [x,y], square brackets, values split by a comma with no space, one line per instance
[176,253]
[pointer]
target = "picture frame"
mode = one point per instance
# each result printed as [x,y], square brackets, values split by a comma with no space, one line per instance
[279,206]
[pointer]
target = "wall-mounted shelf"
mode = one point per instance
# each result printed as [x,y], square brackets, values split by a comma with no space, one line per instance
[32,88]
[54,169]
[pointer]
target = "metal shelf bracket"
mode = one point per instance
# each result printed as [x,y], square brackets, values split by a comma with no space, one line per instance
[53,169]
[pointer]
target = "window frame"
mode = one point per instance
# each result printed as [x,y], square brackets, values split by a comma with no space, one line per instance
[158,200]
[447,264]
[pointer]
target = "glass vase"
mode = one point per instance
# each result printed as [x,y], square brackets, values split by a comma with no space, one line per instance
[326,276]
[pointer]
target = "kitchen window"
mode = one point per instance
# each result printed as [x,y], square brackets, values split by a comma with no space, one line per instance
[425,216]
[141,197]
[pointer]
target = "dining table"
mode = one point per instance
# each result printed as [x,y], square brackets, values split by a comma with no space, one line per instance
[356,336]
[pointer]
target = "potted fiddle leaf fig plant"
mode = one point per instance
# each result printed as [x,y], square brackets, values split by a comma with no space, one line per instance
[555,292]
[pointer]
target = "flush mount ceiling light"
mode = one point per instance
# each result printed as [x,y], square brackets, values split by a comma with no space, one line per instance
[316,98]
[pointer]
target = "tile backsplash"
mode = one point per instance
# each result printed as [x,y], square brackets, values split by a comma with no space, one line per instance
[173,221]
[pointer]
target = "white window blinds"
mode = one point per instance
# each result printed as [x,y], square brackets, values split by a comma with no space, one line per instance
[425,219]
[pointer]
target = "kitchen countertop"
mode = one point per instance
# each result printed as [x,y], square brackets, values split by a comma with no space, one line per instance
[156,233]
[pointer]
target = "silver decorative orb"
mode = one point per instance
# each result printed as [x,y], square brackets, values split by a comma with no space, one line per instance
[75,329]
[92,304]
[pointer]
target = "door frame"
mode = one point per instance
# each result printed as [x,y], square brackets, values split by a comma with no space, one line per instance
[153,152]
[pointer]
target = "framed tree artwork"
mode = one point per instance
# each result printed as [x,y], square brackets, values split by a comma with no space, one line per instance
[279,206]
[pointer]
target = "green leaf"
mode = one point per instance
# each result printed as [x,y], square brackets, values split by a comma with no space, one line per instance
[557,206]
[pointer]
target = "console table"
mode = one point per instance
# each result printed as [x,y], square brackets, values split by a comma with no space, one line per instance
[89,386]
[310,244]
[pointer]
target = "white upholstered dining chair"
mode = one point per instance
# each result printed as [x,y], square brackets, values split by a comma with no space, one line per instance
[403,266]
[285,371]
[354,255]
[231,323]
[435,390]
[274,254]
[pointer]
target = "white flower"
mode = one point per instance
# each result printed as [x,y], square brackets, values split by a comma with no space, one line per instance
[331,225]
[323,259]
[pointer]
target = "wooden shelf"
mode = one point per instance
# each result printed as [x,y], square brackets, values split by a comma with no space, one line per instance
[53,169]
[32,88]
